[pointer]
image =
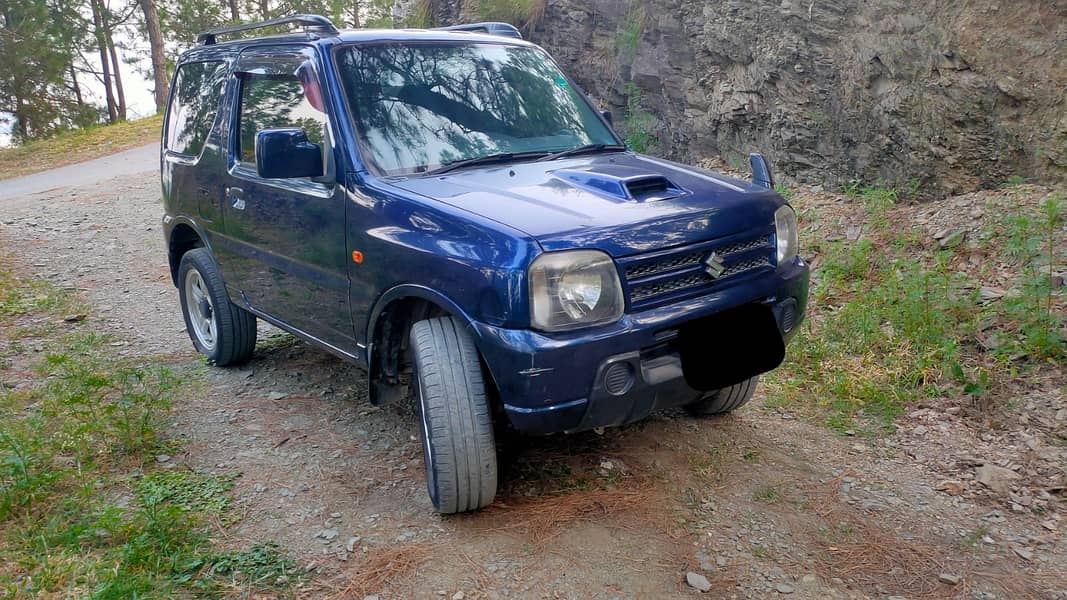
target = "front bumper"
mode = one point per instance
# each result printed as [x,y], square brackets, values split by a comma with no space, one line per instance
[620,373]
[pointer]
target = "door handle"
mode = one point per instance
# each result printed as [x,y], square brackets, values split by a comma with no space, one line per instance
[235,195]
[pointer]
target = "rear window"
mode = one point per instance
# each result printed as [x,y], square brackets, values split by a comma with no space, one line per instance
[198,88]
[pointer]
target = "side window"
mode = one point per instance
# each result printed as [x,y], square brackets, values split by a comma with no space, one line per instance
[270,101]
[198,89]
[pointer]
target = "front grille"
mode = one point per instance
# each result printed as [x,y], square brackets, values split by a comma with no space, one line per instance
[661,275]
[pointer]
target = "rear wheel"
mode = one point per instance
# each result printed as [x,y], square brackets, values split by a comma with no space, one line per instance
[457,430]
[724,400]
[220,330]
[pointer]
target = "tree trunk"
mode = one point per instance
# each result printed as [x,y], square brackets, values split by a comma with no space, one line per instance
[235,12]
[354,8]
[115,66]
[74,86]
[101,44]
[159,60]
[264,9]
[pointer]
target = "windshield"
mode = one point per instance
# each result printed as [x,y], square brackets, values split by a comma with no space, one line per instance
[421,106]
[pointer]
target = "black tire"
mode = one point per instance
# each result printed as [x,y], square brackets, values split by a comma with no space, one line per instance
[457,429]
[725,400]
[234,329]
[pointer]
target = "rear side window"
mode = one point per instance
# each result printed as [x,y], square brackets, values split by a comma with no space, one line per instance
[198,88]
[270,101]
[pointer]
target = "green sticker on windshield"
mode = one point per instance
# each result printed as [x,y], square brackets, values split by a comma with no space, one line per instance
[561,82]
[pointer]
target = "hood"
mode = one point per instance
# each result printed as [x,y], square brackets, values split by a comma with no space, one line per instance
[620,203]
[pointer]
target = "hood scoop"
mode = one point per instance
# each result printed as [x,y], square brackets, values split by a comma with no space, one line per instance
[624,184]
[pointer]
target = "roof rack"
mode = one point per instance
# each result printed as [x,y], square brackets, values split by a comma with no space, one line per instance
[492,28]
[312,23]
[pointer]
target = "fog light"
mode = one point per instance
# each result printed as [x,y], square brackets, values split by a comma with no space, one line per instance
[619,378]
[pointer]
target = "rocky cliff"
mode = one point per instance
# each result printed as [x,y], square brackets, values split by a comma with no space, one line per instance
[934,96]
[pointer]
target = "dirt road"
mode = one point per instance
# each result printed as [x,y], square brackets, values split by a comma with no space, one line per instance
[761,503]
[135,160]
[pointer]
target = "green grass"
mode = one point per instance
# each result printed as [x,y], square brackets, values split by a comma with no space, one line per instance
[521,13]
[972,540]
[767,493]
[78,145]
[629,36]
[893,319]
[638,125]
[85,509]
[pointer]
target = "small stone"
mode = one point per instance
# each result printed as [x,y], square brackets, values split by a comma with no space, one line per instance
[1050,525]
[920,430]
[458,596]
[1024,553]
[953,239]
[327,534]
[808,579]
[276,396]
[721,560]
[371,597]
[698,581]
[162,458]
[989,293]
[351,544]
[74,318]
[996,478]
[784,588]
[949,578]
[952,488]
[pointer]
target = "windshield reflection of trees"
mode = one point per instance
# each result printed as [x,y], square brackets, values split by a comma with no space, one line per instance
[424,105]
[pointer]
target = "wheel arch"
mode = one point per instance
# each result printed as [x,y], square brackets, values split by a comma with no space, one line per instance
[183,236]
[387,330]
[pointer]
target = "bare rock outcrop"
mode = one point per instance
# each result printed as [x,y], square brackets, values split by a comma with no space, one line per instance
[938,97]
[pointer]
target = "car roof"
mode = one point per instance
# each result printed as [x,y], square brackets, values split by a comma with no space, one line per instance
[350,36]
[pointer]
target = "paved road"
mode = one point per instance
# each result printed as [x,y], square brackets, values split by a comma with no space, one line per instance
[127,162]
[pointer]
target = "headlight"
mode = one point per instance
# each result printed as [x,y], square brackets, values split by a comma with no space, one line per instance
[574,289]
[785,226]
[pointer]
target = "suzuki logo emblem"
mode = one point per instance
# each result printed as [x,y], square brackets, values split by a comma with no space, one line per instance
[714,266]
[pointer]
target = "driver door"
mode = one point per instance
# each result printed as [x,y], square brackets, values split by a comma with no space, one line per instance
[286,236]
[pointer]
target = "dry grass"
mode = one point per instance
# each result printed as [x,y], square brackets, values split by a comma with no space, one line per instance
[867,554]
[382,567]
[862,552]
[543,518]
[77,146]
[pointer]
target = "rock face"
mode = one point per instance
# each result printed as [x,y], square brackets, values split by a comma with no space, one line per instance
[926,96]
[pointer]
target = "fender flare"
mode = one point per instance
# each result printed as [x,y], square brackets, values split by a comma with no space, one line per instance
[377,395]
[174,223]
[411,290]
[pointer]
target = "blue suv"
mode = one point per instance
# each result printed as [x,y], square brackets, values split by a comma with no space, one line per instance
[447,210]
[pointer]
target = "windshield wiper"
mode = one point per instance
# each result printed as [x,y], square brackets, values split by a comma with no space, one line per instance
[587,149]
[491,159]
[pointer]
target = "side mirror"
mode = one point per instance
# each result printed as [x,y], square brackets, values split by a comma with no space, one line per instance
[287,154]
[761,171]
[607,117]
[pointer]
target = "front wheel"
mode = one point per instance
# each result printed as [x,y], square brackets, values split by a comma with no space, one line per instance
[724,400]
[222,331]
[457,429]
